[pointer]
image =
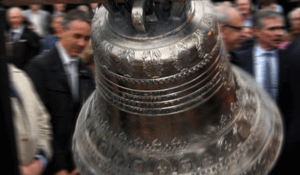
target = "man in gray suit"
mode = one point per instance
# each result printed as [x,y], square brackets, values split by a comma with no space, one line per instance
[40,19]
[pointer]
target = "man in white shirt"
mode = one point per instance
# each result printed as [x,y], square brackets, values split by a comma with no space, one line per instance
[40,20]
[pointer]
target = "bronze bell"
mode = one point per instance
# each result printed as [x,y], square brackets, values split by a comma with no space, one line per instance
[168,102]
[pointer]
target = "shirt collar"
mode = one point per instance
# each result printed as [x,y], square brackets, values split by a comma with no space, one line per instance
[65,57]
[18,30]
[260,51]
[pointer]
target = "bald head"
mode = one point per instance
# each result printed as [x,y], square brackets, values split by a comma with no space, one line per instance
[231,23]
[16,10]
[228,15]
[15,17]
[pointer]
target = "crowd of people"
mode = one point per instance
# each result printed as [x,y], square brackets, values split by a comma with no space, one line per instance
[51,68]
[51,76]
[258,41]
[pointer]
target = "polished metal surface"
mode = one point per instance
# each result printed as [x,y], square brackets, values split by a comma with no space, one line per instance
[168,102]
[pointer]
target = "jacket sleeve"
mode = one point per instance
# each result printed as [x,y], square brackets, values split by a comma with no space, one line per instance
[34,44]
[43,122]
[45,129]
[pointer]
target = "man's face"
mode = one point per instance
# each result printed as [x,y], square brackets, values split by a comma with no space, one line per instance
[244,7]
[94,5]
[56,24]
[270,36]
[15,19]
[75,39]
[34,7]
[232,33]
[59,7]
[295,20]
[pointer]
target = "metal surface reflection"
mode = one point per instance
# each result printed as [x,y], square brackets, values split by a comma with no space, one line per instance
[168,101]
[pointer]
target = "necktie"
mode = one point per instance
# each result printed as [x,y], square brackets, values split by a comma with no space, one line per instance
[73,74]
[268,78]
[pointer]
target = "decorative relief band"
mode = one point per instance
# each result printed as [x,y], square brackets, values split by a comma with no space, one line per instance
[104,49]
[165,107]
[181,57]
[175,144]
[169,79]
[224,147]
[126,62]
[163,94]
[153,63]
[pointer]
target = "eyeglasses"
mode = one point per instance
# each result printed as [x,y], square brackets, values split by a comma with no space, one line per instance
[236,27]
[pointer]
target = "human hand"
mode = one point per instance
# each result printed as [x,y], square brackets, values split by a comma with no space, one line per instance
[62,172]
[34,168]
[75,172]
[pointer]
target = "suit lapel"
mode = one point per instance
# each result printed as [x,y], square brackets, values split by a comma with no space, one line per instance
[83,74]
[282,68]
[58,70]
[250,62]
[24,34]
[244,59]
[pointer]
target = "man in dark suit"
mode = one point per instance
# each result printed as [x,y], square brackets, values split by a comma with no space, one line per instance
[264,61]
[267,64]
[289,101]
[64,83]
[22,43]
[94,7]
[231,26]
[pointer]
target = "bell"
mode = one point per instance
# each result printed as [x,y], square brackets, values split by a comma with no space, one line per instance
[168,101]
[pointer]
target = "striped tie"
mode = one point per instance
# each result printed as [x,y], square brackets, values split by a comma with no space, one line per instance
[268,78]
[74,79]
